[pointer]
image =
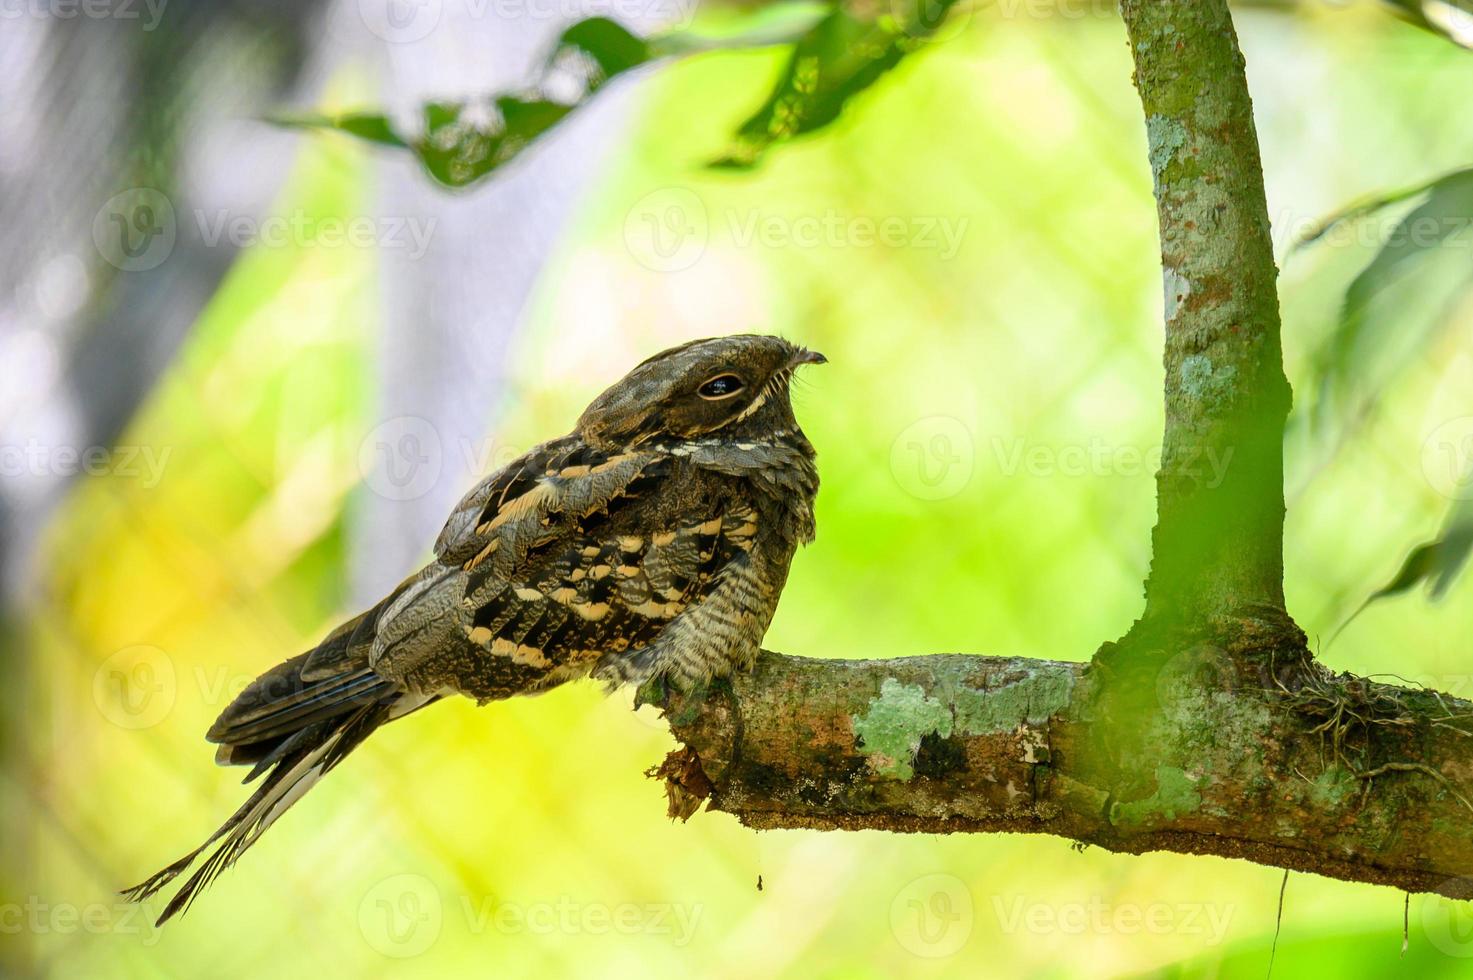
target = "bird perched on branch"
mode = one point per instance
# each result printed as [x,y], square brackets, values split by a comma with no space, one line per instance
[650,543]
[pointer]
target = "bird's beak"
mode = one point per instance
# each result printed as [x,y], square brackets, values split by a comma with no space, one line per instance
[806,356]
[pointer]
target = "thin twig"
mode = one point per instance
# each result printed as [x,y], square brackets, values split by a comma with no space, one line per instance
[1406,924]
[1278,925]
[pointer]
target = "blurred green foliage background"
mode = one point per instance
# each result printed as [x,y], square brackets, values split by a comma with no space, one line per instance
[985,430]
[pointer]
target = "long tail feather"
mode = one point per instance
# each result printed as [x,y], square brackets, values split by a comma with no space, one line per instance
[319,748]
[292,729]
[292,725]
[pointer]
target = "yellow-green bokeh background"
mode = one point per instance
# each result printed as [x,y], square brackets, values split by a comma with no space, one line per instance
[155,603]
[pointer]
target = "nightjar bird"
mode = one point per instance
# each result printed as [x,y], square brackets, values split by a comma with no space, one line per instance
[649,543]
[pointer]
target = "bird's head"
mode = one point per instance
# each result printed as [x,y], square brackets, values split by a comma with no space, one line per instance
[735,385]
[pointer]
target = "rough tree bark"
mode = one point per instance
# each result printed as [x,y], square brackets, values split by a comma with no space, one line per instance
[1341,777]
[1217,551]
[1208,728]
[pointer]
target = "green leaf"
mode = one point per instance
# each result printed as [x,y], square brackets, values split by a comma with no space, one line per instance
[1436,562]
[1364,207]
[612,49]
[842,55]
[838,53]
[1451,548]
[1452,19]
[1443,219]
[463,142]
[364,125]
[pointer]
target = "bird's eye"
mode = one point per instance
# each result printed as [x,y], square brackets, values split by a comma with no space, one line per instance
[721,386]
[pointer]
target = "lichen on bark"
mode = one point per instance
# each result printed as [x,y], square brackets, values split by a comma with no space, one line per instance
[1208,728]
[1243,770]
[1217,546]
[894,724]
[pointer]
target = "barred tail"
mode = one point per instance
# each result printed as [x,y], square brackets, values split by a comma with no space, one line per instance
[307,756]
[293,725]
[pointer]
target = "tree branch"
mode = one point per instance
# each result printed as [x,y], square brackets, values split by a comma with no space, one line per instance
[1209,728]
[1217,550]
[1344,777]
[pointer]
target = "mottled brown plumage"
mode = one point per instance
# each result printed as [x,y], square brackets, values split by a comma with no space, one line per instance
[651,542]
